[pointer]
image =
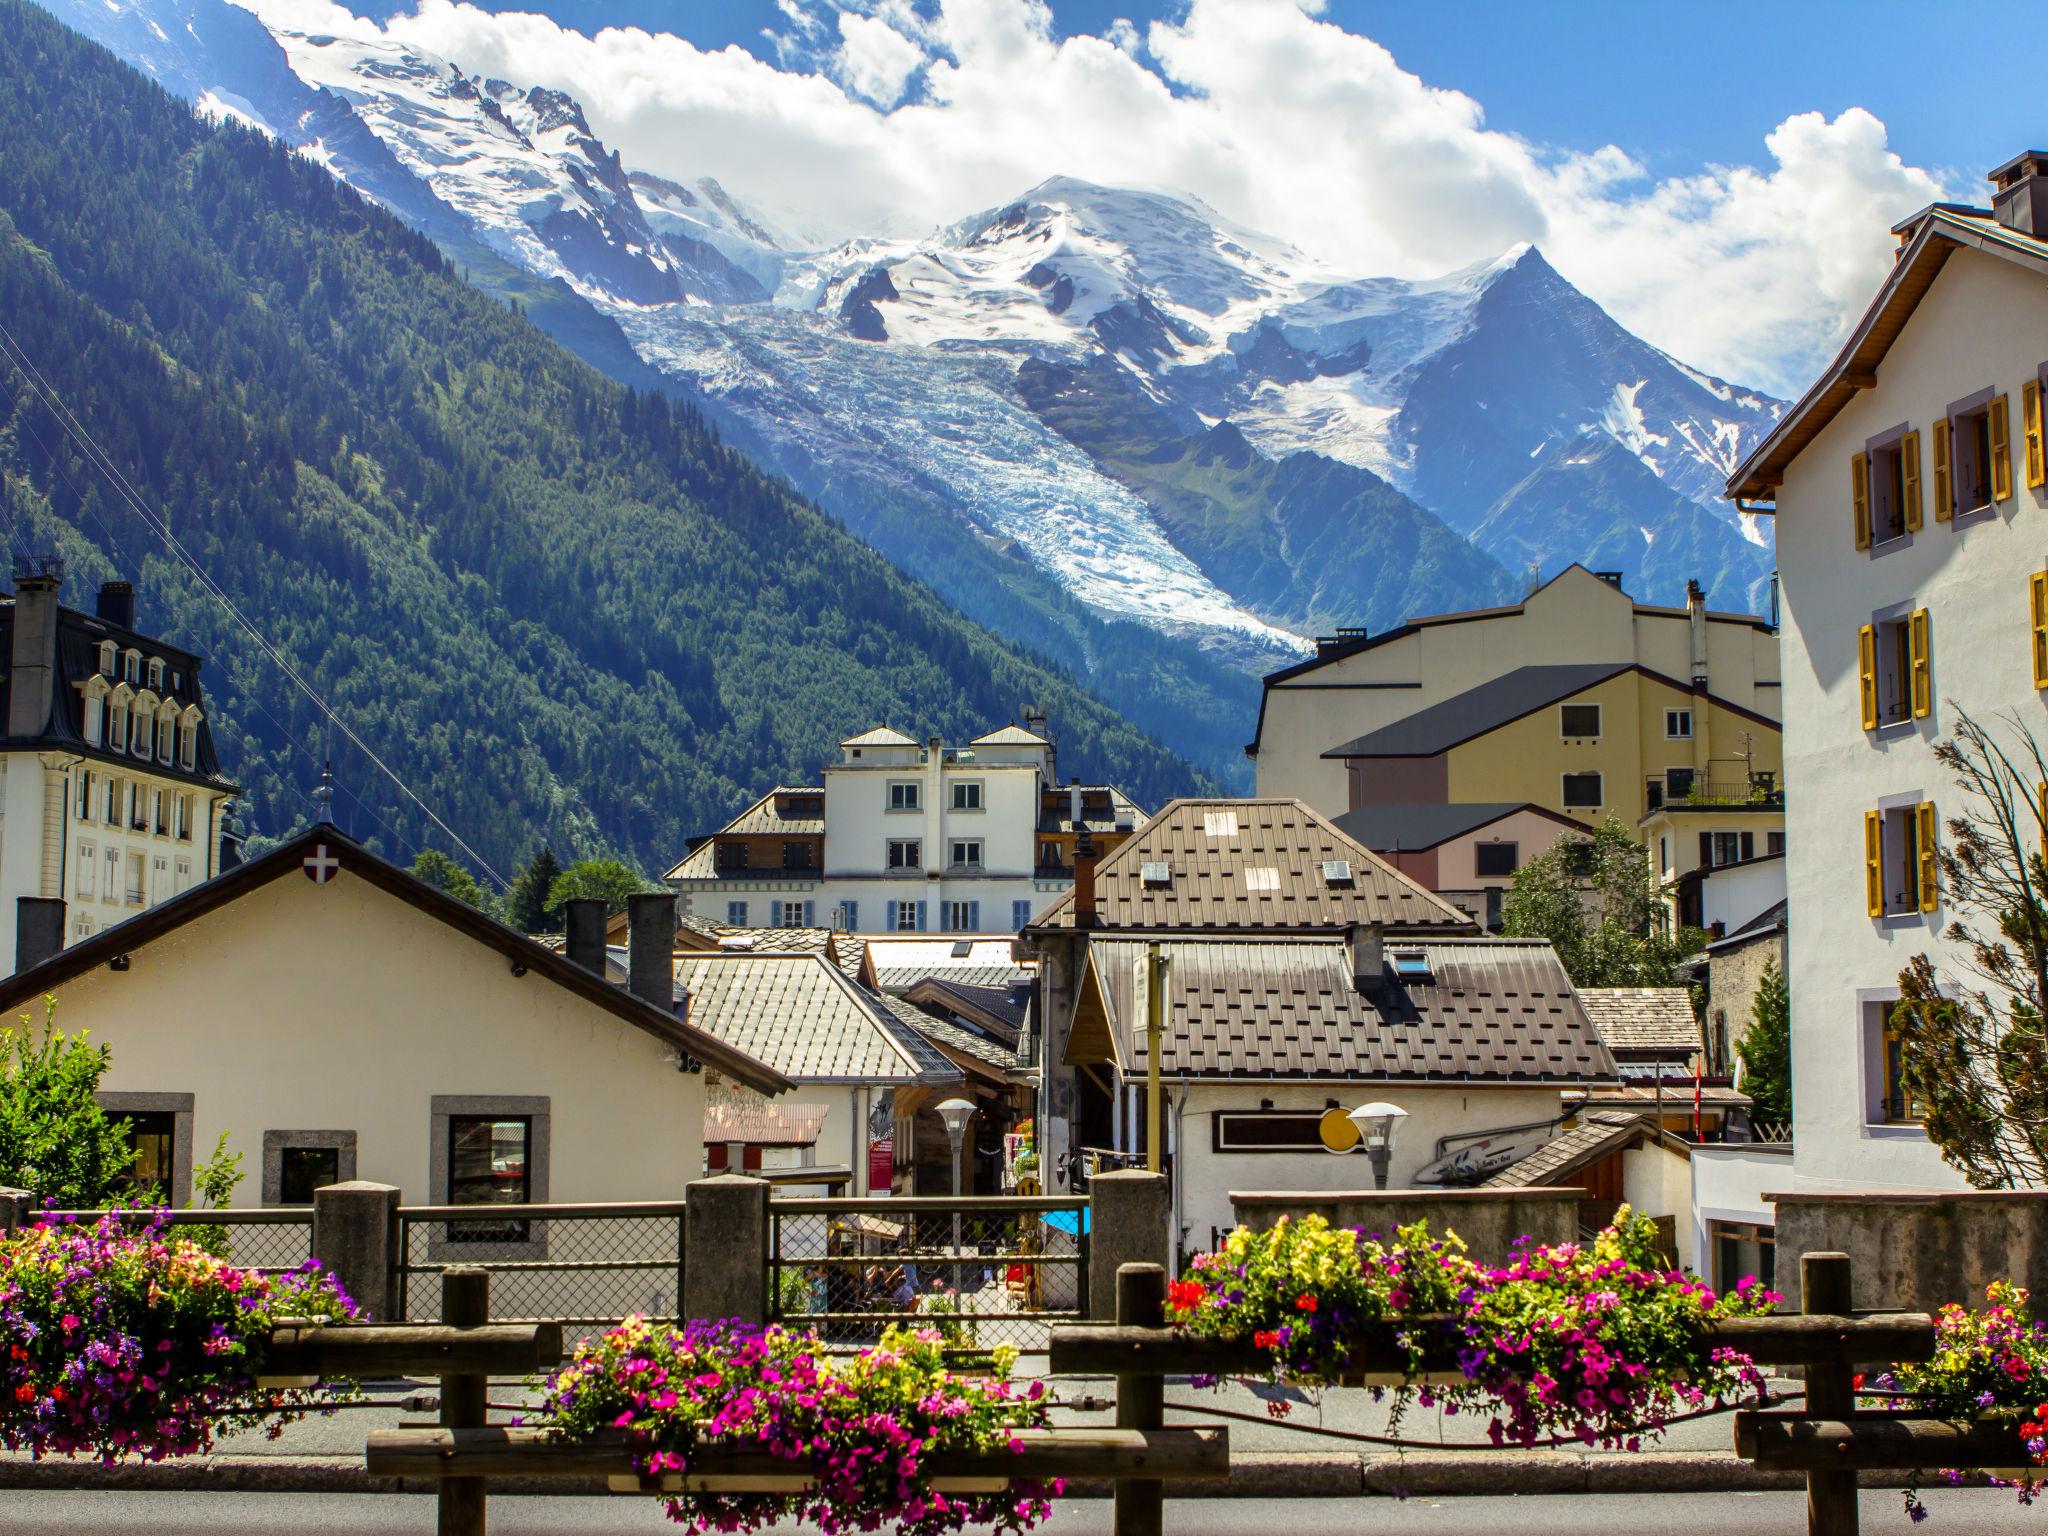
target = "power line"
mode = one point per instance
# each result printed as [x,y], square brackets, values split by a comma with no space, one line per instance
[103,462]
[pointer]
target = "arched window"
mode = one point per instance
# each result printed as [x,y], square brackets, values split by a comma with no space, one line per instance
[188,744]
[167,732]
[132,667]
[117,722]
[107,657]
[156,674]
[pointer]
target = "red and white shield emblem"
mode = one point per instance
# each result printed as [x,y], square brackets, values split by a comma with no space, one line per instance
[321,865]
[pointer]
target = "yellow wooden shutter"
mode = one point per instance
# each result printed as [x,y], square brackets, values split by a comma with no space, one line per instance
[1866,673]
[2041,804]
[2030,429]
[2037,603]
[1944,499]
[1918,639]
[1859,497]
[1873,863]
[1909,474]
[1930,868]
[2001,448]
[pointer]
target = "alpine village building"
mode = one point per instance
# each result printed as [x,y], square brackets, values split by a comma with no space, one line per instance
[1910,488]
[111,797]
[907,836]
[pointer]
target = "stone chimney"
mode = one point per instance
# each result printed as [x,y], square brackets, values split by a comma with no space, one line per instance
[2019,194]
[584,920]
[1366,945]
[1084,880]
[651,948]
[1612,578]
[1696,616]
[117,603]
[32,669]
[38,930]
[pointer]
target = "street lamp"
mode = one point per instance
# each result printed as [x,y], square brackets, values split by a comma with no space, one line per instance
[1378,1123]
[956,1113]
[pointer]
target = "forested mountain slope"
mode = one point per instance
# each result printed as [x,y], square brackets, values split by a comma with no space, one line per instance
[556,606]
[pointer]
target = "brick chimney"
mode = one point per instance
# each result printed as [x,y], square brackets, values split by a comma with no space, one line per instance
[651,948]
[584,920]
[32,669]
[2019,194]
[1084,880]
[38,930]
[117,603]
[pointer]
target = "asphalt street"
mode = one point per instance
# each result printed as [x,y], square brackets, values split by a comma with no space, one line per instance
[1955,1513]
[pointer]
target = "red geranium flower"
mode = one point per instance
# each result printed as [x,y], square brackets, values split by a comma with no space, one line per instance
[1305,1302]
[1186,1295]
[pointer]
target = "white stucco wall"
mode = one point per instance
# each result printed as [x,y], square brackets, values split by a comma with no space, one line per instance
[1983,323]
[338,1007]
[1657,1181]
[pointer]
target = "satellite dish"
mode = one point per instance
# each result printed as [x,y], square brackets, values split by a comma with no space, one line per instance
[1338,1131]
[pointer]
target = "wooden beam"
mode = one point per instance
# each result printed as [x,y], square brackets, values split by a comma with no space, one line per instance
[1862,1442]
[413,1349]
[1861,380]
[1201,1454]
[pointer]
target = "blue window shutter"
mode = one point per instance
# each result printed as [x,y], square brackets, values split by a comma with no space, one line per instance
[974,917]
[810,914]
[1020,915]
[890,924]
[920,915]
[853,917]
[774,914]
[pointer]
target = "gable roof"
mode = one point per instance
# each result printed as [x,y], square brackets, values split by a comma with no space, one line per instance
[287,860]
[880,736]
[1490,1010]
[1283,844]
[999,1009]
[1637,1020]
[1596,1136]
[802,1014]
[989,1058]
[896,965]
[1009,736]
[1931,237]
[1411,826]
[760,819]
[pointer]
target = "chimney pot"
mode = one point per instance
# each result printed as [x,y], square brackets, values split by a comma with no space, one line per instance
[1612,578]
[2019,197]
[1367,944]
[1084,880]
[583,919]
[651,948]
[33,667]
[117,603]
[38,930]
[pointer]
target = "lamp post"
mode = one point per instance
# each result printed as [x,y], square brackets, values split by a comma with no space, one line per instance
[956,1113]
[1378,1123]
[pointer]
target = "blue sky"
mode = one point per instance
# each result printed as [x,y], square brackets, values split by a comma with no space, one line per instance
[1721,177]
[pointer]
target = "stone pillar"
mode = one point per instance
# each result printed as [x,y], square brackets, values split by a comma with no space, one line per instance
[356,1236]
[1130,1217]
[16,1206]
[725,1249]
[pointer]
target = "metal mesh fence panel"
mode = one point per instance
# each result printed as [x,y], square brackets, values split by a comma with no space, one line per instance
[261,1239]
[583,1266]
[982,1272]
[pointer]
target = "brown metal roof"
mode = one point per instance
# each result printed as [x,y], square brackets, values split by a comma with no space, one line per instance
[1251,865]
[1634,1020]
[1491,1010]
[801,1015]
[1594,1137]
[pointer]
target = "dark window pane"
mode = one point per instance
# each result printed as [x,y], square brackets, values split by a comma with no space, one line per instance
[152,1134]
[305,1169]
[1494,858]
[1580,719]
[488,1164]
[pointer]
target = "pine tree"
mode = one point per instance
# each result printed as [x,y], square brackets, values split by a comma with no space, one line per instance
[1766,1049]
[526,906]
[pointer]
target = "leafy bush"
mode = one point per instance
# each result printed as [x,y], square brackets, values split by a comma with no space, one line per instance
[55,1140]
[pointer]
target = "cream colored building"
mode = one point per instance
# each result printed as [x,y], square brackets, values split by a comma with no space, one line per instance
[1912,516]
[111,797]
[323,1008]
[1357,684]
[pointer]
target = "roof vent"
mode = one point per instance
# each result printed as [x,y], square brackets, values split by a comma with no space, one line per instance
[1337,872]
[1262,878]
[1410,964]
[1158,872]
[2019,194]
[962,948]
[1219,823]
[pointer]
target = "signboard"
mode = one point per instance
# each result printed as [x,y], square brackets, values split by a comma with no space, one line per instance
[1338,1130]
[881,1165]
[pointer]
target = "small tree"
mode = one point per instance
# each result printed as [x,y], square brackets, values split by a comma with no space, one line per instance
[526,905]
[55,1140]
[1766,1048]
[1973,1057]
[605,880]
[1598,904]
[443,873]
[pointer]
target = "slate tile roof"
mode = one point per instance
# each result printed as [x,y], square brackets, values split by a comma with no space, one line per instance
[1637,1021]
[1490,1010]
[801,1015]
[899,964]
[1251,865]
[758,820]
[946,1032]
[1594,1137]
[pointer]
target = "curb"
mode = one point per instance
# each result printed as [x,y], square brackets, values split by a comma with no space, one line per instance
[1253,1475]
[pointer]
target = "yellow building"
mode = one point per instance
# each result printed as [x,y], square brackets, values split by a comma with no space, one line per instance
[1586,740]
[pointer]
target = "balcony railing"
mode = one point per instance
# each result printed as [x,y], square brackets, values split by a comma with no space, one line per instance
[1760,791]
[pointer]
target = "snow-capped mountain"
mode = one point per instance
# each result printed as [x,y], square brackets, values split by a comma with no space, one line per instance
[1112,398]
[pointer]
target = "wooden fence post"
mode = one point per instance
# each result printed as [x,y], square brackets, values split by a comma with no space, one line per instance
[1830,1394]
[1140,1398]
[465,1303]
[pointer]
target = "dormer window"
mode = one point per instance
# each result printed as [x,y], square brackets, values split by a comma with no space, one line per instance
[188,739]
[117,724]
[107,662]
[95,721]
[132,668]
[156,675]
[167,736]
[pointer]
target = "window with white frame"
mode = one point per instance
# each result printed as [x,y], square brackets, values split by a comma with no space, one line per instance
[967,794]
[114,802]
[131,667]
[110,890]
[1584,791]
[88,782]
[906,916]
[138,880]
[184,881]
[735,914]
[107,658]
[791,914]
[166,737]
[160,812]
[88,869]
[966,853]
[160,880]
[117,724]
[1678,724]
[963,916]
[156,674]
[188,744]
[906,853]
[95,711]
[903,795]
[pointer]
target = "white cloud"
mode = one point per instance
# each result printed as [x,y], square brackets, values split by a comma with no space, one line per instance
[1280,119]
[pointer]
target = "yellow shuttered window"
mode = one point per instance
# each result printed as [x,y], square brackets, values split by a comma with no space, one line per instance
[1919,644]
[1859,497]
[2041,805]
[1866,672]
[1930,867]
[2001,448]
[1873,863]
[1909,478]
[2030,432]
[1944,496]
[2037,614]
